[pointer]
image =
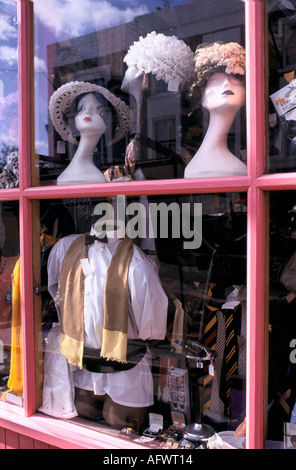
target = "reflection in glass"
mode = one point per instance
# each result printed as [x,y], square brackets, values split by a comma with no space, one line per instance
[9,172]
[282,87]
[282,322]
[166,130]
[78,111]
[219,85]
[11,383]
[189,279]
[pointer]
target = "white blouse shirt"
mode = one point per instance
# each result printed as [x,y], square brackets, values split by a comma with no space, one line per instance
[148,305]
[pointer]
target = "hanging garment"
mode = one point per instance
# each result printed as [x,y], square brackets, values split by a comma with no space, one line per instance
[58,387]
[147,306]
[230,363]
[114,338]
[209,340]
[7,265]
[15,381]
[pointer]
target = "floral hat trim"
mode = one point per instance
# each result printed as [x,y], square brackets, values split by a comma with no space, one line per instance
[230,55]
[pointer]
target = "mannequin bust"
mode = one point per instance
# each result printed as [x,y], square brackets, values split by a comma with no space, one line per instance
[135,84]
[155,57]
[87,103]
[91,126]
[222,95]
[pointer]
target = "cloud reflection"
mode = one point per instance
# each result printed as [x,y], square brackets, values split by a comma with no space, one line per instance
[72,18]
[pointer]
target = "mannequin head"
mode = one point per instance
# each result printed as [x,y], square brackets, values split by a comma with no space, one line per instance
[65,101]
[223,92]
[89,116]
[132,79]
[217,58]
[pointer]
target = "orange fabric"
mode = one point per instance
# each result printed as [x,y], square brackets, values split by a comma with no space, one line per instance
[15,381]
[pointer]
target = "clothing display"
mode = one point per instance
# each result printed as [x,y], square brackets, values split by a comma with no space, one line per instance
[123,172]
[15,381]
[221,333]
[114,337]
[7,265]
[147,308]
[58,386]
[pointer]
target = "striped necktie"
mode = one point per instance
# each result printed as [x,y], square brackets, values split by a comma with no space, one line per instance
[230,364]
[209,339]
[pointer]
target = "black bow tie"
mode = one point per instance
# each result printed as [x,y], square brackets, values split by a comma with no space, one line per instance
[89,239]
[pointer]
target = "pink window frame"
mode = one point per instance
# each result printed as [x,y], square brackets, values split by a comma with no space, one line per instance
[255,184]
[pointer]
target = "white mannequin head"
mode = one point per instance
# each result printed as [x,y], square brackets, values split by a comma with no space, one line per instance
[219,88]
[89,116]
[132,79]
[223,92]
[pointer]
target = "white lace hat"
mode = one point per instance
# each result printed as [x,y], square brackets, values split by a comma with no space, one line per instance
[62,98]
[167,57]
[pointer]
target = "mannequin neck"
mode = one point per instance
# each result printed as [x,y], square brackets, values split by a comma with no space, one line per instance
[86,147]
[218,129]
[82,169]
[214,158]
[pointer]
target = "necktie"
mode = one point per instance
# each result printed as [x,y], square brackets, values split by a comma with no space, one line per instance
[217,404]
[230,356]
[209,339]
[89,239]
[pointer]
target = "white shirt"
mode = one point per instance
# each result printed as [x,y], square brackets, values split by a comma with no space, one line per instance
[147,317]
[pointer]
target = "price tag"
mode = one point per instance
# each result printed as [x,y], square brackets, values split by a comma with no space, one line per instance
[173,84]
[211,369]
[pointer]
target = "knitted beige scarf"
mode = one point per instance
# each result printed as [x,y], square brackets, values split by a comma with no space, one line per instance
[114,343]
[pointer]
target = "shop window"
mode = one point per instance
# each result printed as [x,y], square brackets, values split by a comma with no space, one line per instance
[11,385]
[186,287]
[282,326]
[124,101]
[114,55]
[9,172]
[282,102]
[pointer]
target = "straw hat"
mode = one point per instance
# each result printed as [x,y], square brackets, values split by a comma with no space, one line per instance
[62,98]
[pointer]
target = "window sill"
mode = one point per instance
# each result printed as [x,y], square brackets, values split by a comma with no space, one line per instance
[59,433]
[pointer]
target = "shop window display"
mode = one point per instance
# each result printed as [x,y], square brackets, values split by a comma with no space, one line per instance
[152,72]
[9,168]
[180,303]
[10,322]
[118,105]
[281,389]
[141,238]
[281,34]
[11,368]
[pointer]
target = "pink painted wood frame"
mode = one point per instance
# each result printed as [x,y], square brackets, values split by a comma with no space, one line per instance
[255,184]
[255,84]
[25,80]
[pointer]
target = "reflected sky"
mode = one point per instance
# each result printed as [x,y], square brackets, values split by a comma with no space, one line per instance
[8,79]
[72,18]
[56,21]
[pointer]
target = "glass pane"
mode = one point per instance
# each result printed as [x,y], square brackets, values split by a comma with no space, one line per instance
[9,174]
[11,380]
[141,53]
[183,297]
[282,322]
[282,86]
